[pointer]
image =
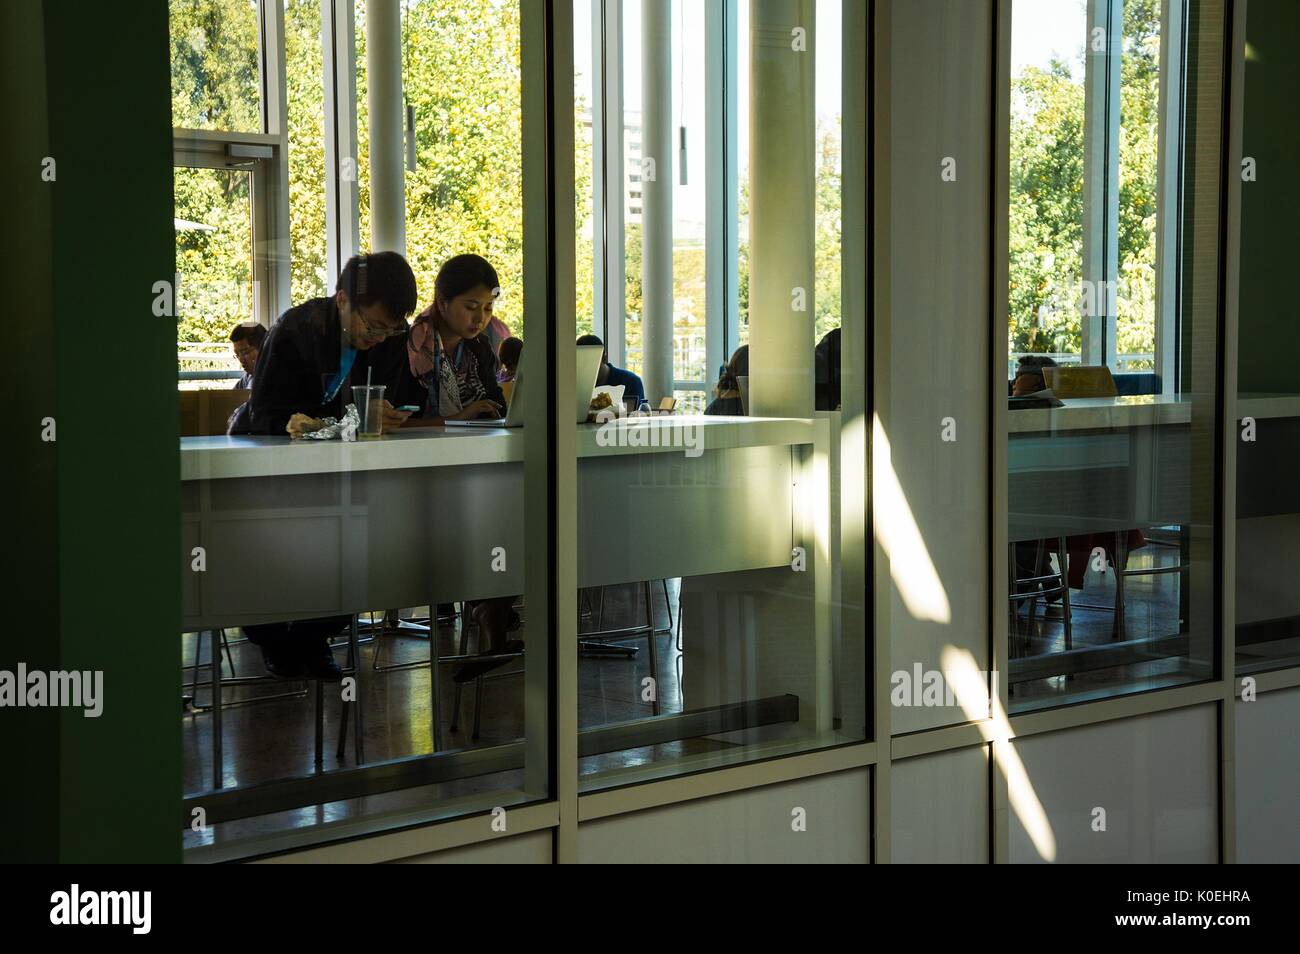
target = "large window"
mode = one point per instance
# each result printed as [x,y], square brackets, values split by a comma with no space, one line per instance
[708,631]
[1267,430]
[409,578]
[1086,127]
[1111,357]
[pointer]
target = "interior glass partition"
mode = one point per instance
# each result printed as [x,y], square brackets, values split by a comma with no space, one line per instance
[1112,420]
[355,621]
[1267,430]
[708,532]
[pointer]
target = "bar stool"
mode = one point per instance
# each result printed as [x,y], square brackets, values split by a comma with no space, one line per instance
[1059,583]
[598,643]
[353,669]
[463,655]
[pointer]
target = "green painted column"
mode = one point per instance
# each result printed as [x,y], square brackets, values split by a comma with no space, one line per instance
[93,570]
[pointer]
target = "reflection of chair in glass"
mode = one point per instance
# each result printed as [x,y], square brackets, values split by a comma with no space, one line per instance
[603,642]
[1122,572]
[1039,583]
[391,623]
[220,684]
[463,655]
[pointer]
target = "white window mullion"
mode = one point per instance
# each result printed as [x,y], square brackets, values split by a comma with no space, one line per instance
[1169,191]
[1104,47]
[272,246]
[342,220]
[722,303]
[607,32]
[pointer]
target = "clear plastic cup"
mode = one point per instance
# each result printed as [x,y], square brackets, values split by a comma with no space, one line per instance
[370,407]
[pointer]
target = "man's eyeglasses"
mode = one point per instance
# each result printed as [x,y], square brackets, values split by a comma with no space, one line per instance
[383,331]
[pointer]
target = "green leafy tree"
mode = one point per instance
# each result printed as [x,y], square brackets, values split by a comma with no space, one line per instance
[1046,213]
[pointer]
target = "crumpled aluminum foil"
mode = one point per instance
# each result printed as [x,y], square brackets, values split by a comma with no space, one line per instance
[345,429]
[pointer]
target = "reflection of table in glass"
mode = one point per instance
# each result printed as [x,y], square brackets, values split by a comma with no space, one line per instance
[313,529]
[1099,465]
[295,530]
[1268,528]
[1098,468]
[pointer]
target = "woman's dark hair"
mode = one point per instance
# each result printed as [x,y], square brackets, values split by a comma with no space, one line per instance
[737,367]
[253,334]
[509,352]
[382,277]
[463,273]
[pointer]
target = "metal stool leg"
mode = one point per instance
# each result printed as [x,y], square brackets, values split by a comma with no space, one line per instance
[225,644]
[456,697]
[478,707]
[1121,561]
[320,725]
[1064,557]
[434,669]
[650,635]
[217,775]
[669,604]
[359,723]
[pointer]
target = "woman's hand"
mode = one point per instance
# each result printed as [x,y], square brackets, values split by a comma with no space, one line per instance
[483,408]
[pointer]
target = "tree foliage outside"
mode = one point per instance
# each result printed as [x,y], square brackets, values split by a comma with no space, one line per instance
[461,73]
[1046,213]
[215,85]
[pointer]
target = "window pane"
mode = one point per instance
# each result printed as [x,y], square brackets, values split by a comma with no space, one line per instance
[1110,484]
[306,110]
[214,261]
[369,641]
[1047,148]
[708,631]
[1139,155]
[584,156]
[216,75]
[1268,376]
[466,192]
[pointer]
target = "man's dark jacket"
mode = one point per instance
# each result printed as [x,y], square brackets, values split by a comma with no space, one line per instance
[299,359]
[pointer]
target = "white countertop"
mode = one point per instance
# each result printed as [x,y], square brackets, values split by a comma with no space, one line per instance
[221,457]
[1141,410]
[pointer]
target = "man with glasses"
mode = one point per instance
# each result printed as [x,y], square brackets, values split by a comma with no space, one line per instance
[310,361]
[319,350]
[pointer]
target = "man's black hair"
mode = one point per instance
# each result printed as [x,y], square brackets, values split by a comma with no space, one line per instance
[253,334]
[590,340]
[382,277]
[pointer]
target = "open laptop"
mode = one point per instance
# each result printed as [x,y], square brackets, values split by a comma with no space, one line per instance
[587,367]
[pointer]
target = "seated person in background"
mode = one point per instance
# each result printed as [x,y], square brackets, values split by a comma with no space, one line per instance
[308,362]
[610,376]
[828,371]
[509,353]
[726,401]
[1029,374]
[451,355]
[319,350]
[246,342]
[449,351]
